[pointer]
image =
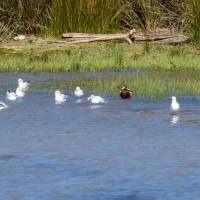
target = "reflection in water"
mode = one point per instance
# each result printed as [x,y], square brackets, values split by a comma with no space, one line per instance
[95,106]
[58,103]
[174,119]
[79,100]
[3,106]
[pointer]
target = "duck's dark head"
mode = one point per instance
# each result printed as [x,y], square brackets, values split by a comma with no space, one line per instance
[124,87]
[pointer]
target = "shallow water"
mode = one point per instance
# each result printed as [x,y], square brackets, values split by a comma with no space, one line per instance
[125,149]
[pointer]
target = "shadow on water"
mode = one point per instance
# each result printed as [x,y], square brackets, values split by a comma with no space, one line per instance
[7,157]
[132,149]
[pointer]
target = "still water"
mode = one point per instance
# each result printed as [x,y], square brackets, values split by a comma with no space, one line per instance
[123,150]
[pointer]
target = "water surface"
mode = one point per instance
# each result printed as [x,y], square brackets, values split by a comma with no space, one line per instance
[125,149]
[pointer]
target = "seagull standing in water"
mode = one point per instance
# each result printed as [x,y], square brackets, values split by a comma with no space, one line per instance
[3,106]
[59,97]
[96,99]
[23,84]
[78,92]
[11,95]
[175,107]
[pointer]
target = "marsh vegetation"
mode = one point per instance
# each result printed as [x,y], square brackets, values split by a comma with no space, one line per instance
[149,85]
[54,17]
[98,57]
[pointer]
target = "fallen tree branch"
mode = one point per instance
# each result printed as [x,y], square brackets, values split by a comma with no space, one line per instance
[130,37]
[98,37]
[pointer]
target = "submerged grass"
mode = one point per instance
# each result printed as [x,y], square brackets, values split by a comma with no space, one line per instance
[98,57]
[150,85]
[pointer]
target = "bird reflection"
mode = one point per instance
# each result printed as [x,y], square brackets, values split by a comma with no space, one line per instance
[95,106]
[174,119]
[58,103]
[79,100]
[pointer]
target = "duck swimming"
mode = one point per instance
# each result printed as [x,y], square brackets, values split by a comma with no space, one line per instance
[96,99]
[125,92]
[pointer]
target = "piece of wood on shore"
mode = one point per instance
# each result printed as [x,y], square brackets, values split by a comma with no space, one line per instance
[130,37]
[86,37]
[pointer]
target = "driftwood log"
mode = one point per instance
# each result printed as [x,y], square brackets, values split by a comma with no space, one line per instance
[130,38]
[85,37]
[133,36]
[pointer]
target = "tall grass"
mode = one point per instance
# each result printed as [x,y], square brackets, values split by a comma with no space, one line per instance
[141,14]
[99,16]
[147,15]
[21,16]
[54,17]
[194,10]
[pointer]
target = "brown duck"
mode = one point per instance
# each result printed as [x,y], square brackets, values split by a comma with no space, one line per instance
[125,92]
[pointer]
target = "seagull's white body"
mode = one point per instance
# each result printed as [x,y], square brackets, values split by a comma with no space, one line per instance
[78,92]
[20,92]
[11,95]
[96,99]
[3,106]
[175,107]
[59,97]
[23,84]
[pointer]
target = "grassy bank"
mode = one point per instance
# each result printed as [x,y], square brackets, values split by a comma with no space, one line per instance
[22,57]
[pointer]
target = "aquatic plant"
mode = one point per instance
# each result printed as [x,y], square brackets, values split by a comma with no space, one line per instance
[148,84]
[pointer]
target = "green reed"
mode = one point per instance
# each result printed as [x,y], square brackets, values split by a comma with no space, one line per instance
[151,84]
[147,15]
[194,10]
[54,17]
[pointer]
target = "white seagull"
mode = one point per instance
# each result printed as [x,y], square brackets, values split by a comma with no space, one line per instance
[59,97]
[3,106]
[23,84]
[78,92]
[20,92]
[96,99]
[11,95]
[174,105]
